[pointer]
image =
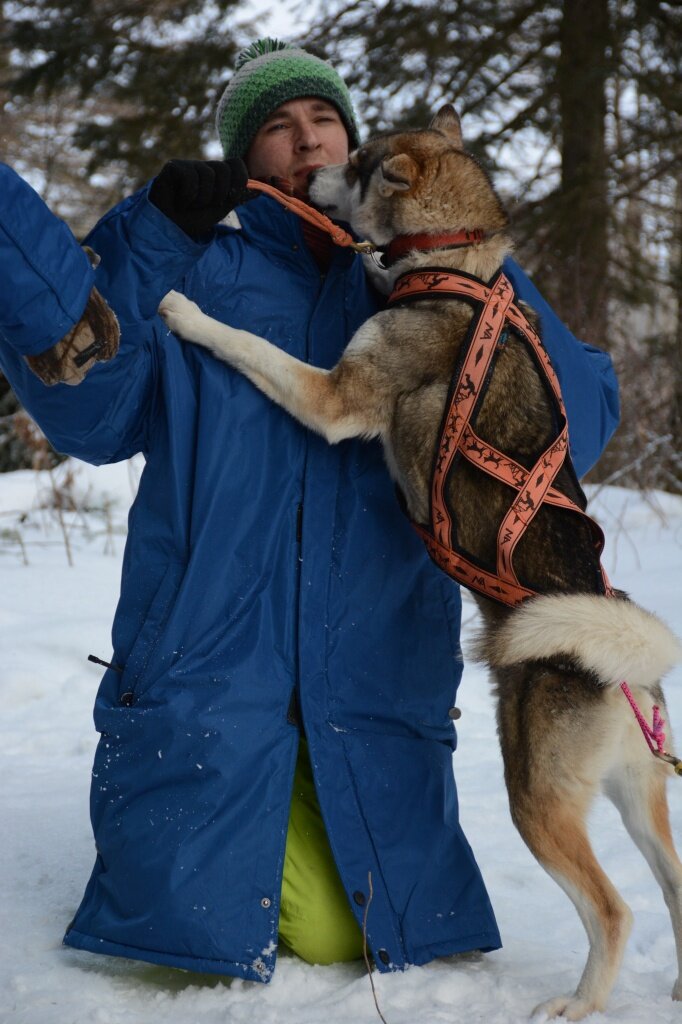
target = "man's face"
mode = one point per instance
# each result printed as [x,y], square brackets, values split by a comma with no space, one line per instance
[298,137]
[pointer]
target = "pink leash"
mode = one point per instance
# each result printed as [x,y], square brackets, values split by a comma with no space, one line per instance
[654,734]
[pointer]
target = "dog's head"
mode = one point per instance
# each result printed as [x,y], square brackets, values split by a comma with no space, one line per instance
[409,182]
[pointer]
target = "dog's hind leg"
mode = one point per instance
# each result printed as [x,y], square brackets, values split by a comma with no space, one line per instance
[639,792]
[553,825]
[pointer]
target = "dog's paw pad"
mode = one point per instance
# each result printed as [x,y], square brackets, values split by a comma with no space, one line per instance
[179,313]
[568,1007]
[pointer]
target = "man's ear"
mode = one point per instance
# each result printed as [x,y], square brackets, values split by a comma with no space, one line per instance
[447,122]
[397,174]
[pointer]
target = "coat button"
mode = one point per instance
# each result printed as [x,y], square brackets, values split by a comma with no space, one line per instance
[455,713]
[384,957]
[266,903]
[359,898]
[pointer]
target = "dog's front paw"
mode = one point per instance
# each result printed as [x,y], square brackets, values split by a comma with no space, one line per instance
[181,315]
[568,1007]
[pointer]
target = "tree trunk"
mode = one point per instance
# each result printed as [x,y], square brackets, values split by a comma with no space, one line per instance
[581,239]
[676,362]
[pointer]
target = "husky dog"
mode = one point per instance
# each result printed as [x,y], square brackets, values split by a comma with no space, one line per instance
[556,660]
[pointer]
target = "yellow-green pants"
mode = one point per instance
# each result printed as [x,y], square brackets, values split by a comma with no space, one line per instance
[315,920]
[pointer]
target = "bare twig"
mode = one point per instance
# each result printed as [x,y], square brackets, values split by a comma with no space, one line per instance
[109,546]
[653,445]
[364,945]
[14,536]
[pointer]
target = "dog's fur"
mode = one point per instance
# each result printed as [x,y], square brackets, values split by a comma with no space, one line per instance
[564,728]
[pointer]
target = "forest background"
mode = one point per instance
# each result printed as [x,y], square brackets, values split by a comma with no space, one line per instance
[574,106]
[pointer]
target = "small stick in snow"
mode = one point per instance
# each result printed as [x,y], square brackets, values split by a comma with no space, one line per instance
[364,946]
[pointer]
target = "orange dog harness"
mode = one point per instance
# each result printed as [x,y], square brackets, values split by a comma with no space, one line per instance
[496,313]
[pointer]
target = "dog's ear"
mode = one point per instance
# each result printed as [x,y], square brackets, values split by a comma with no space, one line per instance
[397,174]
[447,121]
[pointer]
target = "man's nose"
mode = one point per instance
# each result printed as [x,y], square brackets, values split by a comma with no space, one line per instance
[307,137]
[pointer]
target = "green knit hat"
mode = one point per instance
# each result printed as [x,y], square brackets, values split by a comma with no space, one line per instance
[267,74]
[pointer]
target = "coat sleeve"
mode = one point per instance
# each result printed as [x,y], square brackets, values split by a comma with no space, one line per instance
[588,381]
[46,276]
[144,255]
[107,417]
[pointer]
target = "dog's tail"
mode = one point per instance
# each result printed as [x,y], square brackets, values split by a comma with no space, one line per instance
[613,638]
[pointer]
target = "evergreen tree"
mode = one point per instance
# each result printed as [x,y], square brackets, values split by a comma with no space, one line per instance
[577,107]
[138,78]
[540,85]
[95,95]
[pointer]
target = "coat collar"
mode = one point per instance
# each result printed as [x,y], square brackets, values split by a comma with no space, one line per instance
[276,230]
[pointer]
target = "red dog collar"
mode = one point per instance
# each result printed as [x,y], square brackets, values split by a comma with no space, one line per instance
[403,244]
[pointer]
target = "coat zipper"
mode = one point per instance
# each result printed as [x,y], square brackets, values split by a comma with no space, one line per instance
[299,528]
[294,715]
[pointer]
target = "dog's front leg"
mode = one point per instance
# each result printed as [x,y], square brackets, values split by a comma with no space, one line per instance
[318,398]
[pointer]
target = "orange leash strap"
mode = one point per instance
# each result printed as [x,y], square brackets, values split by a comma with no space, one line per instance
[338,235]
[534,486]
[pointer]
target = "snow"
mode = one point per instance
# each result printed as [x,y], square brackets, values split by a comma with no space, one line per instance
[53,615]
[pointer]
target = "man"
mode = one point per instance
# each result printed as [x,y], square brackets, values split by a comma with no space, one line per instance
[281,629]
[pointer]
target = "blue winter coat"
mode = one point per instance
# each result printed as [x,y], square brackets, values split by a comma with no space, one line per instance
[262,563]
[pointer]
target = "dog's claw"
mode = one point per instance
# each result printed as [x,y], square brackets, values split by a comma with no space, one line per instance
[179,313]
[568,1007]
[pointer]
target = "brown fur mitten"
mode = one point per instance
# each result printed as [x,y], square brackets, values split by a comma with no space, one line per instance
[93,339]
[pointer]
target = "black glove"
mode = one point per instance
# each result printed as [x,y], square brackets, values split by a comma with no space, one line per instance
[196,194]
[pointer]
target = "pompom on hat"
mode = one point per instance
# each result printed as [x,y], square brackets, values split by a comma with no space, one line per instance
[267,74]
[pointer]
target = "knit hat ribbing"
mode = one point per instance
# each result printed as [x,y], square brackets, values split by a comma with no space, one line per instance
[269,73]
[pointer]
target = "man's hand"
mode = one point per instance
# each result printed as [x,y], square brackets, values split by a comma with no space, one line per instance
[197,194]
[93,339]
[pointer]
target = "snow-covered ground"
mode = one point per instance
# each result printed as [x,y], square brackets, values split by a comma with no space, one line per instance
[53,615]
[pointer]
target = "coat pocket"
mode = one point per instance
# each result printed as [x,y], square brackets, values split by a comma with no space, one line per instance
[134,680]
